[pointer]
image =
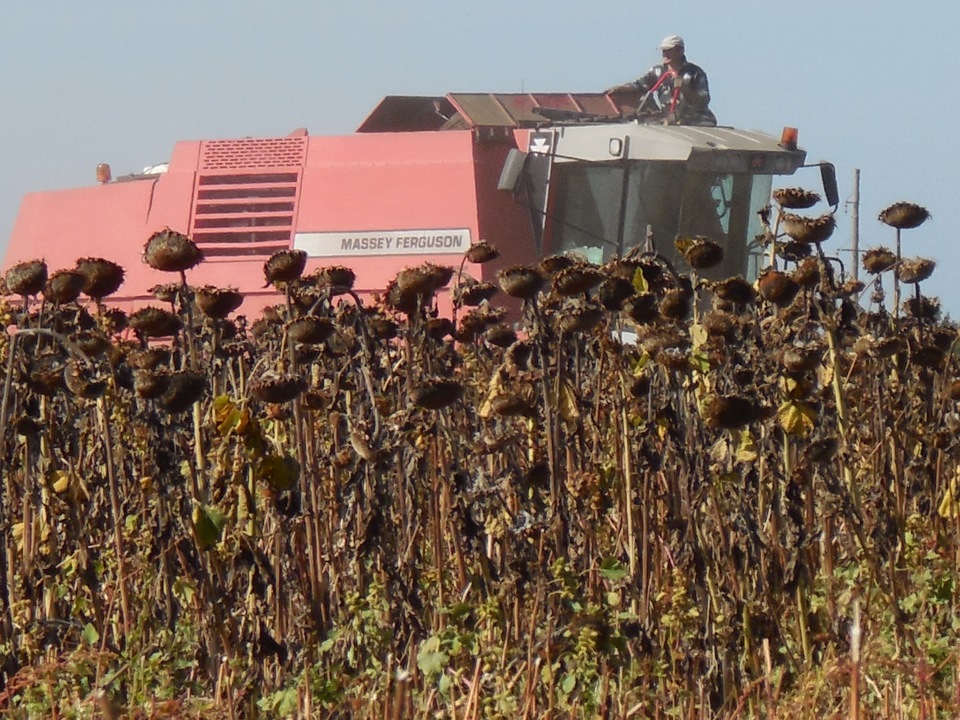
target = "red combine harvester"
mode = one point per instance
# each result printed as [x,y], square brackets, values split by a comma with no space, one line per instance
[421,180]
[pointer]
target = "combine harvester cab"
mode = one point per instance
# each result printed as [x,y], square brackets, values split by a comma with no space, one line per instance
[421,180]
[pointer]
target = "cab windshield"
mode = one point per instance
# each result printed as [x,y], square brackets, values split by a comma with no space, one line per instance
[604,211]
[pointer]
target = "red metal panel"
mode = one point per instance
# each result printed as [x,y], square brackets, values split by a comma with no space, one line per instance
[388,182]
[520,106]
[597,104]
[557,101]
[245,196]
[252,153]
[106,221]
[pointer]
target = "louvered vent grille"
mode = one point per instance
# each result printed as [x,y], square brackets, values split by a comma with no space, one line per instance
[245,198]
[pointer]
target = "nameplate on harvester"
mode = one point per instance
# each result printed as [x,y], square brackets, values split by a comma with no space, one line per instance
[383,242]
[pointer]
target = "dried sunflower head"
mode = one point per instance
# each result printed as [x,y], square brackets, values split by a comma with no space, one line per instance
[613,292]
[155,322]
[915,270]
[382,328]
[922,308]
[642,307]
[437,394]
[150,384]
[801,357]
[83,381]
[309,329]
[795,198]
[149,358]
[576,280]
[735,290]
[729,412]
[676,304]
[482,252]
[423,280]
[183,389]
[45,375]
[274,388]
[719,323]
[284,266]
[166,292]
[26,278]
[701,253]
[101,277]
[793,251]
[64,286]
[511,405]
[580,318]
[170,251]
[904,215]
[336,278]
[520,281]
[91,343]
[217,303]
[500,335]
[808,230]
[440,327]
[553,264]
[472,292]
[879,259]
[807,273]
[777,287]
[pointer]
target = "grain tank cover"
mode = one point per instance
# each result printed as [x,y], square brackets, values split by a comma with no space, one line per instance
[461,111]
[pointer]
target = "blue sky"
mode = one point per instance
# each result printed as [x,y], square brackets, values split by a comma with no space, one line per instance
[870,85]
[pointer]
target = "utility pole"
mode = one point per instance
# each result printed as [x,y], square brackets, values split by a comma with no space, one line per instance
[855,231]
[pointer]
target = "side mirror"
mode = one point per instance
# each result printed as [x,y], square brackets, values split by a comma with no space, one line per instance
[828,175]
[512,173]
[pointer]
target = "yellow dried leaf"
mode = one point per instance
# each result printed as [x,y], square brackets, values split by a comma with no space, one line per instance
[493,390]
[793,388]
[663,428]
[222,407]
[949,507]
[683,244]
[60,481]
[720,452]
[639,281]
[568,403]
[747,451]
[698,335]
[796,418]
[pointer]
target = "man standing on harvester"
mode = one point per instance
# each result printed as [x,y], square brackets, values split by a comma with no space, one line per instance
[678,86]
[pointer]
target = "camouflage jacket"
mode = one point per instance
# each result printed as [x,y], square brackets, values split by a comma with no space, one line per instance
[689,103]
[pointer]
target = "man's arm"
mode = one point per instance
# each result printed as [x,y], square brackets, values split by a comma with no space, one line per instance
[641,84]
[695,89]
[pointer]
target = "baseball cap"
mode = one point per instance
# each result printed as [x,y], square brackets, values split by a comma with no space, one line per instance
[671,41]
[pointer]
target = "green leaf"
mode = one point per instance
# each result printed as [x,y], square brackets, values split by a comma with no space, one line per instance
[568,684]
[90,634]
[700,362]
[431,660]
[208,525]
[612,569]
[130,523]
[458,610]
[279,471]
